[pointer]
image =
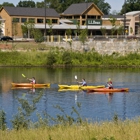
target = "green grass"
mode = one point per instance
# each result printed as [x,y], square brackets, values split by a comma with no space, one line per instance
[33,54]
[127,130]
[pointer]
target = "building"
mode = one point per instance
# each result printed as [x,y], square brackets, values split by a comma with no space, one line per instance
[84,15]
[133,23]
[17,16]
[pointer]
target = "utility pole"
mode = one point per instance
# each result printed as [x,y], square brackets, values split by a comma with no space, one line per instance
[45,19]
[124,16]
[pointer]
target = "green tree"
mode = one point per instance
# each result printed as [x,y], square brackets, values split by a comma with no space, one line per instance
[38,36]
[14,27]
[130,5]
[61,5]
[28,28]
[78,28]
[103,30]
[68,32]
[83,36]
[120,30]
[50,31]
[25,3]
[113,23]
[7,4]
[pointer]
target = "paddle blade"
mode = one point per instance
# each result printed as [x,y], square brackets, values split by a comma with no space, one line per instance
[76,77]
[23,75]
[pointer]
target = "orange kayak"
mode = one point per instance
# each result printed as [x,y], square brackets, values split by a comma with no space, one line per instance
[108,90]
[30,85]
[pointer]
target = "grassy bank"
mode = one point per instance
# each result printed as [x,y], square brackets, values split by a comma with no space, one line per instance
[24,54]
[128,130]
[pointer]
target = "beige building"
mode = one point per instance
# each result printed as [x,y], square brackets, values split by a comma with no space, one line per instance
[87,15]
[133,23]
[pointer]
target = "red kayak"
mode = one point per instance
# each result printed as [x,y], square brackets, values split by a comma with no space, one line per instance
[108,90]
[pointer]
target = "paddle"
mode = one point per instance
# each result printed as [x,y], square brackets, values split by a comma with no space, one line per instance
[23,75]
[76,80]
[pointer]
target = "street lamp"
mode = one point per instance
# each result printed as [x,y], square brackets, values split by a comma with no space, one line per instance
[87,16]
[124,16]
[139,25]
[45,18]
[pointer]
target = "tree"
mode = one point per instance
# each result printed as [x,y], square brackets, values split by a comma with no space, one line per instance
[50,31]
[28,28]
[83,35]
[102,5]
[38,36]
[7,4]
[14,27]
[78,28]
[103,30]
[113,23]
[61,5]
[130,5]
[25,3]
[120,30]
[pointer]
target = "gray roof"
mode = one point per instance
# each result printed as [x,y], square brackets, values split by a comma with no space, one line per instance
[27,11]
[77,9]
[114,16]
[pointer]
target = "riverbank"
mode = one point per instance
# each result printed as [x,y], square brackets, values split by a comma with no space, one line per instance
[33,54]
[127,130]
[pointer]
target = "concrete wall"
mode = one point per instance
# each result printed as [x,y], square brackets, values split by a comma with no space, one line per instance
[102,47]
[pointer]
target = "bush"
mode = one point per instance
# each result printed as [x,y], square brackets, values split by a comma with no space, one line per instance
[51,58]
[66,58]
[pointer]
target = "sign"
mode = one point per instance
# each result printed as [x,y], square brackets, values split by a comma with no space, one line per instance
[94,22]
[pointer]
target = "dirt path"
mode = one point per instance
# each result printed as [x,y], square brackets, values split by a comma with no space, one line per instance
[4,46]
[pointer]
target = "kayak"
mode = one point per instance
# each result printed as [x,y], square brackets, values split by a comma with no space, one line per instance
[30,85]
[108,90]
[69,89]
[79,87]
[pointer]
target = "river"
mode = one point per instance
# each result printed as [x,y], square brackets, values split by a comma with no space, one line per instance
[94,106]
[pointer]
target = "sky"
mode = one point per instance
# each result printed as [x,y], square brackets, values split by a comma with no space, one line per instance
[115,4]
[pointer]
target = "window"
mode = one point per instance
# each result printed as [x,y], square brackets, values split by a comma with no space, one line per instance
[48,21]
[23,20]
[54,20]
[83,16]
[31,20]
[91,17]
[75,17]
[39,20]
[16,19]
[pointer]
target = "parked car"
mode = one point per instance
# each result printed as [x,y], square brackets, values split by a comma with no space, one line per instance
[6,38]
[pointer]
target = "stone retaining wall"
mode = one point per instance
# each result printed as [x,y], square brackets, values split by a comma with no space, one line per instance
[102,47]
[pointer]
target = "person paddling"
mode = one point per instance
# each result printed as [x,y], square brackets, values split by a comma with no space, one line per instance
[109,84]
[84,83]
[32,80]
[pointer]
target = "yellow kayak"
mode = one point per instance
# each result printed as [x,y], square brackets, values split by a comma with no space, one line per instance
[78,87]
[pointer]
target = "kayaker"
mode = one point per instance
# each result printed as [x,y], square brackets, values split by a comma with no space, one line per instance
[32,80]
[84,83]
[109,84]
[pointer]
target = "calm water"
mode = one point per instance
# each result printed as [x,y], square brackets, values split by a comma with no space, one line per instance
[94,106]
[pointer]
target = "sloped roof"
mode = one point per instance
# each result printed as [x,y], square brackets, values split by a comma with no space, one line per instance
[113,16]
[79,8]
[27,11]
[133,13]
